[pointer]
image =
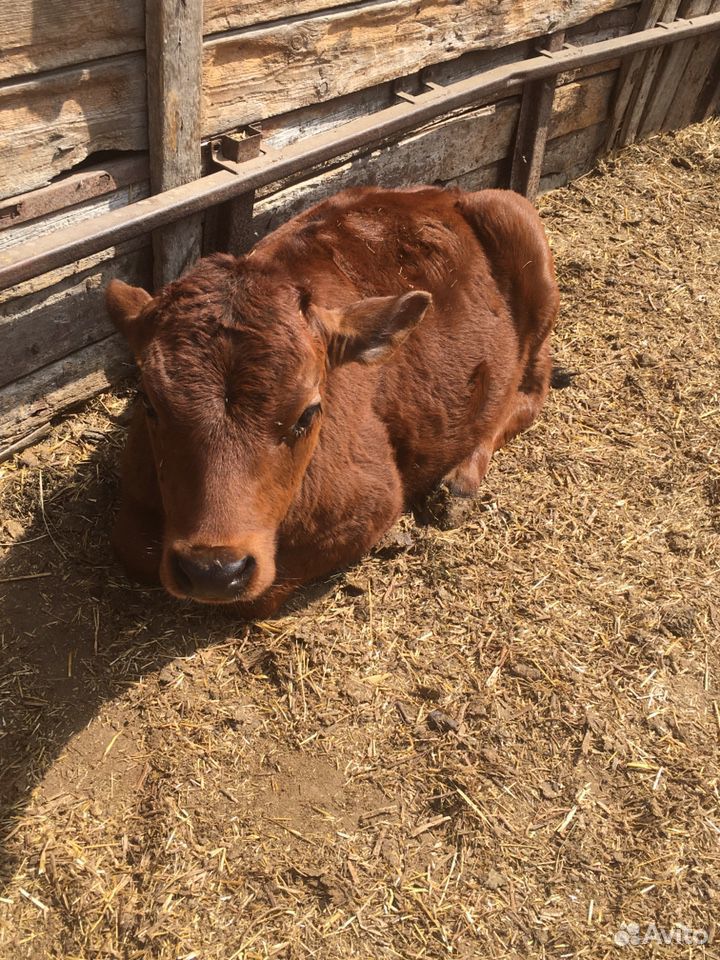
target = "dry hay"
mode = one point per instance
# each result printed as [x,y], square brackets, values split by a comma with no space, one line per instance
[497,739]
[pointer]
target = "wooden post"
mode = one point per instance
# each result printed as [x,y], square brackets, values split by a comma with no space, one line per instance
[631,71]
[532,130]
[229,226]
[173,37]
[631,122]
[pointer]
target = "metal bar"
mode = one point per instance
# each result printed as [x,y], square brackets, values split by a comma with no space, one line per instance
[47,253]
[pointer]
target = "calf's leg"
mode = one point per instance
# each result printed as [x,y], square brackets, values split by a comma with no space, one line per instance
[521,263]
[529,398]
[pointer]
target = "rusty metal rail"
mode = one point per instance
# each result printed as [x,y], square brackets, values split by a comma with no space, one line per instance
[46,253]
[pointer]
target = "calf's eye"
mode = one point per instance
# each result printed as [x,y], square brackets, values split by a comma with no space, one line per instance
[304,421]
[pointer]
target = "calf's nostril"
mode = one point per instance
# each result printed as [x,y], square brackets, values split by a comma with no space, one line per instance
[241,570]
[183,576]
[209,575]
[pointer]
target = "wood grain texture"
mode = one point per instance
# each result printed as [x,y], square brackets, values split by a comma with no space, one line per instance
[255,74]
[315,118]
[709,102]
[219,16]
[46,280]
[443,151]
[532,129]
[645,84]
[31,402]
[40,35]
[72,190]
[174,81]
[631,71]
[50,124]
[572,155]
[72,214]
[55,322]
[687,105]
[673,64]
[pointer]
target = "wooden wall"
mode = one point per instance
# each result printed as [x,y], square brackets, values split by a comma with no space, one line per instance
[73,130]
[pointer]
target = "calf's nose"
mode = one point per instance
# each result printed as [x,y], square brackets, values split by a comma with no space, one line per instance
[212,574]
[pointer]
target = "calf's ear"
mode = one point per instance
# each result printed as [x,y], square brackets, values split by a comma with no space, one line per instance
[370,330]
[125,304]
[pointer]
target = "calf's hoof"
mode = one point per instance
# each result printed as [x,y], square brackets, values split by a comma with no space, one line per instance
[442,510]
[465,479]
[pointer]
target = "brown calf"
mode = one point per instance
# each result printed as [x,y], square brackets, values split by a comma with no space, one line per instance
[298,398]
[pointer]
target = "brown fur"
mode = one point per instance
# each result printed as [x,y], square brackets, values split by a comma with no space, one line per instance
[419,319]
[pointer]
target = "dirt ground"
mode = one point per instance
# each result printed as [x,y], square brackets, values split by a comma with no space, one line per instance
[497,737]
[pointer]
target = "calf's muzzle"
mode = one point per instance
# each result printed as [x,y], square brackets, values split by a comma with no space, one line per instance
[215,575]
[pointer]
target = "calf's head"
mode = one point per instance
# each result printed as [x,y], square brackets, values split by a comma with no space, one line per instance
[233,362]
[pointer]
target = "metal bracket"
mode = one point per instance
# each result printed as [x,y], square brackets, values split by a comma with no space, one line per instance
[567,49]
[231,149]
[672,24]
[229,227]
[409,97]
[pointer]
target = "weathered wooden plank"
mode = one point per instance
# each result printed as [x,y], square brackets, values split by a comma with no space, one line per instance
[614,23]
[709,101]
[633,115]
[51,123]
[254,74]
[174,78]
[50,324]
[31,402]
[674,62]
[687,105]
[485,178]
[219,16]
[74,214]
[42,35]
[442,151]
[532,129]
[317,117]
[582,104]
[73,189]
[46,280]
[631,71]
[572,155]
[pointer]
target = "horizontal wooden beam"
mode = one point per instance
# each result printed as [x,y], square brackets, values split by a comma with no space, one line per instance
[45,327]
[46,253]
[51,121]
[315,58]
[74,189]
[29,403]
[46,35]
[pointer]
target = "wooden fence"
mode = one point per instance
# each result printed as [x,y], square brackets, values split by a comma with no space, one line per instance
[103,102]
